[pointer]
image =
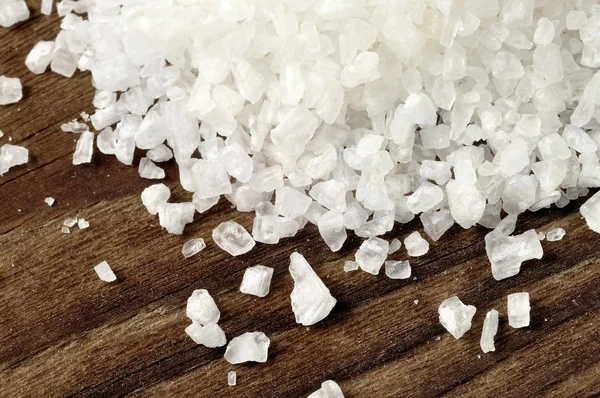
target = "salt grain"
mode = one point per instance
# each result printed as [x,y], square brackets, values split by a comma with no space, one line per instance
[193,247]
[105,273]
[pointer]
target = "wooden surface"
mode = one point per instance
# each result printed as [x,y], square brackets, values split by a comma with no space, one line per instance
[63,332]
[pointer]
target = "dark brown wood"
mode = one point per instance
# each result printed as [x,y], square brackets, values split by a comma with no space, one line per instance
[63,332]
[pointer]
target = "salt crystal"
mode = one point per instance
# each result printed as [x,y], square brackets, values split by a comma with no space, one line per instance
[211,335]
[395,245]
[436,223]
[518,310]
[84,149]
[49,200]
[544,33]
[416,245]
[74,127]
[160,153]
[424,198]
[149,170]
[249,347]
[201,308]
[193,247]
[295,130]
[233,238]
[507,253]
[372,254]
[506,66]
[82,224]
[311,299]
[257,280]
[576,19]
[329,389]
[155,196]
[105,273]
[330,194]
[11,90]
[47,7]
[397,269]
[291,202]
[364,68]
[12,155]
[555,234]
[65,230]
[590,211]
[490,328]
[455,316]
[175,216]
[231,378]
[39,57]
[12,12]
[267,180]
[350,266]
[70,222]
[64,62]
[332,229]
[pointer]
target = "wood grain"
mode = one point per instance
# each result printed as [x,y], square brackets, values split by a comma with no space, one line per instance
[65,333]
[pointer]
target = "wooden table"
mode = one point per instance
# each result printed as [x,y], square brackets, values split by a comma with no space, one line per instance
[63,332]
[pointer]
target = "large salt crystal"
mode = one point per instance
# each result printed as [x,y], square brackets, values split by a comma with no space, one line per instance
[161,153]
[249,347]
[553,146]
[155,196]
[201,308]
[329,389]
[455,316]
[193,247]
[64,62]
[175,216]
[267,180]
[291,202]
[84,149]
[466,203]
[11,90]
[295,130]
[490,328]
[12,155]
[436,223]
[211,335]
[518,310]
[233,238]
[331,194]
[547,63]
[105,273]
[39,57]
[149,170]
[257,280]
[579,140]
[332,229]
[507,253]
[415,245]
[46,8]
[544,33]
[311,299]
[590,211]
[211,178]
[291,85]
[372,254]
[513,158]
[12,12]
[424,198]
[397,269]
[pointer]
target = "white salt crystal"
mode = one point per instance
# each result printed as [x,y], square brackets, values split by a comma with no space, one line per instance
[332,229]
[415,245]
[267,180]
[70,222]
[64,62]
[257,280]
[331,194]
[329,389]
[397,269]
[555,234]
[231,378]
[291,85]
[455,316]
[49,200]
[507,253]
[436,223]
[84,149]
[211,335]
[518,310]
[291,202]
[40,56]
[590,211]
[490,328]
[233,238]
[12,155]
[149,170]
[155,196]
[295,130]
[175,216]
[579,140]
[249,347]
[364,68]
[547,63]
[12,12]
[372,254]
[160,153]
[82,224]
[576,19]
[11,90]
[507,66]
[424,198]
[105,273]
[544,33]
[74,127]
[311,299]
[47,7]
[350,266]
[65,230]
[193,247]
[106,141]
[103,99]
[395,245]
[201,308]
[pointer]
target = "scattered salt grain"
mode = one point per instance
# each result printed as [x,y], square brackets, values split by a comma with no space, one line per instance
[490,328]
[415,245]
[193,247]
[397,269]
[149,170]
[49,200]
[201,308]
[39,57]
[372,254]
[231,378]
[233,238]
[175,216]
[211,335]
[105,273]
[518,310]
[455,316]
[82,224]
[507,253]
[12,12]
[329,389]
[11,90]
[249,347]
[74,127]
[70,222]
[395,245]
[47,7]
[350,266]
[155,196]
[65,230]
[257,280]
[84,149]
[12,155]
[555,234]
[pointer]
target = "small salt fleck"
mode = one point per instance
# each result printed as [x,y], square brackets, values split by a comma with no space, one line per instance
[395,245]
[82,224]
[350,266]
[65,230]
[70,222]
[416,302]
[49,200]
[555,234]
[105,273]
[397,269]
[231,378]
[193,247]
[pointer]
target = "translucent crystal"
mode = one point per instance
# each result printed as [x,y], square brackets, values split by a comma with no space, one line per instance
[544,33]
[364,68]
[415,245]
[155,196]
[193,247]
[211,335]
[329,389]
[231,378]
[105,273]
[82,224]
[295,130]
[397,269]
[47,7]
[149,170]
[311,299]
[267,180]
[590,211]
[331,194]
[257,280]
[507,253]
[39,57]
[332,229]
[11,90]
[233,238]
[490,328]
[424,198]
[12,12]
[201,308]
[466,203]
[455,316]
[161,153]
[395,245]
[372,254]
[211,178]
[291,202]
[49,200]
[555,234]
[65,230]
[350,266]
[518,310]
[436,223]
[249,347]
[12,155]
[175,216]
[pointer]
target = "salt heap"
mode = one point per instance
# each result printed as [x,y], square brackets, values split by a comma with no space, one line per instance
[11,90]
[329,389]
[257,280]
[455,316]
[249,347]
[311,299]
[518,310]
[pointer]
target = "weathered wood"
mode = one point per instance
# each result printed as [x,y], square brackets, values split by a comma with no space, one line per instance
[65,333]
